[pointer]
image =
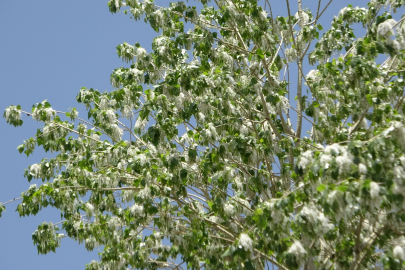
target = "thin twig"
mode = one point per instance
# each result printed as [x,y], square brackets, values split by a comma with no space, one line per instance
[10,201]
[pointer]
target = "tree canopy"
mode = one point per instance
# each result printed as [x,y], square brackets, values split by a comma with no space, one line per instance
[199,157]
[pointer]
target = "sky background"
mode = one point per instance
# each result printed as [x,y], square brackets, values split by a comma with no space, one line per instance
[49,50]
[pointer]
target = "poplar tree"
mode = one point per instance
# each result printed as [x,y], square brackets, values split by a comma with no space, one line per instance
[211,153]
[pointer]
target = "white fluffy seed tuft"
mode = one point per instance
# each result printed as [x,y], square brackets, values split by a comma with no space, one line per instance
[399,253]
[229,209]
[298,250]
[374,190]
[245,242]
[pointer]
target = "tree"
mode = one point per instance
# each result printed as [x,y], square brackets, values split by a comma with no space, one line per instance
[194,161]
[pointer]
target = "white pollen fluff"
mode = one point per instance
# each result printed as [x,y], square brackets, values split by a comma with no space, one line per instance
[49,112]
[137,210]
[89,209]
[246,242]
[362,169]
[126,112]
[35,170]
[89,206]
[305,160]
[201,117]
[310,214]
[374,190]
[140,53]
[342,12]
[277,217]
[363,123]
[263,15]
[215,219]
[103,103]
[238,183]
[297,249]
[402,160]
[199,207]
[141,123]
[233,226]
[399,172]
[111,116]
[95,138]
[76,225]
[316,218]
[333,149]
[291,54]
[144,193]
[303,17]
[385,27]
[399,253]
[142,159]
[312,75]
[113,102]
[12,113]
[117,132]
[344,161]
[213,131]
[229,209]
[326,159]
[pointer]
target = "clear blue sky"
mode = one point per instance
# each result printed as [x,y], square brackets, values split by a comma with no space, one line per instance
[49,50]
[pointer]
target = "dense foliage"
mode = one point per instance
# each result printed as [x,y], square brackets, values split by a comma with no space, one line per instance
[198,158]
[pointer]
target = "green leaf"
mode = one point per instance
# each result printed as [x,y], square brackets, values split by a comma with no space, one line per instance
[342,188]
[183,174]
[21,148]
[369,99]
[259,211]
[260,53]
[2,209]
[321,187]
[192,154]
